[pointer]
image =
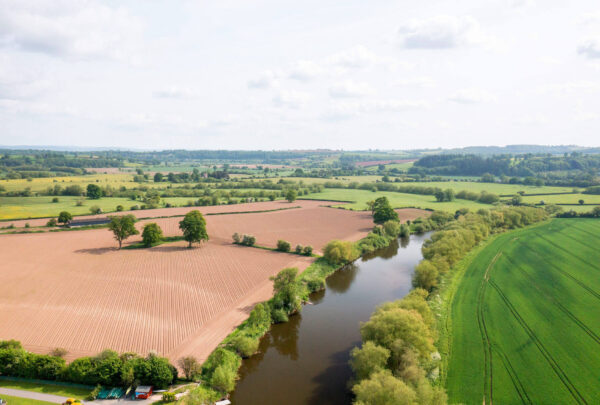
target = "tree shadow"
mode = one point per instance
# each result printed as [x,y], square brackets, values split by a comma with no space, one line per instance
[97,251]
[332,383]
[171,248]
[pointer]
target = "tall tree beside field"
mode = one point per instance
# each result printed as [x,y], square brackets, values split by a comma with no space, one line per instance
[383,211]
[152,234]
[291,195]
[122,227]
[94,191]
[193,226]
[190,366]
[65,217]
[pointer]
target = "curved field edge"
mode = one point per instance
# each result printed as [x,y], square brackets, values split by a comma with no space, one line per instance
[508,322]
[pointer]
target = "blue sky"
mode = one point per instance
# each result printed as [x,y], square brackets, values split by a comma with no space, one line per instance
[297,75]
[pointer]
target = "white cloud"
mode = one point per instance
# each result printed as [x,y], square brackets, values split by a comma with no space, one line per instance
[422,81]
[70,28]
[580,86]
[472,96]
[305,70]
[348,109]
[21,84]
[590,48]
[590,18]
[441,32]
[265,80]
[291,98]
[174,92]
[350,89]
[354,58]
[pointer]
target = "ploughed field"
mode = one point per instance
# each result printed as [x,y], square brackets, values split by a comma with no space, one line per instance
[76,291]
[525,320]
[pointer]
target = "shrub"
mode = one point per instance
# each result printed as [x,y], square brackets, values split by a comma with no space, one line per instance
[298,250]
[307,251]
[94,394]
[245,346]
[96,210]
[248,240]
[79,203]
[135,207]
[65,217]
[152,234]
[339,252]
[279,316]
[260,318]
[237,239]
[368,359]
[27,225]
[168,397]
[120,208]
[426,275]
[55,200]
[392,228]
[190,366]
[59,352]
[223,379]
[51,222]
[283,246]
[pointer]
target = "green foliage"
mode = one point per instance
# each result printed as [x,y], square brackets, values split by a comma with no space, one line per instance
[291,195]
[223,379]
[51,222]
[384,389]
[152,234]
[298,250]
[369,359]
[286,294]
[245,346]
[193,226]
[307,251]
[237,239]
[371,243]
[94,191]
[279,315]
[55,200]
[94,394]
[392,229]
[248,240]
[94,210]
[339,252]
[122,227]
[383,211]
[168,397]
[426,275]
[190,367]
[283,246]
[119,208]
[65,217]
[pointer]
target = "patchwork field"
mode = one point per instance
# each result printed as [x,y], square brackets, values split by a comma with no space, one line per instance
[75,290]
[525,320]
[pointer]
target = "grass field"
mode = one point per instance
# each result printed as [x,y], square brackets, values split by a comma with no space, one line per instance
[22,401]
[524,321]
[359,200]
[60,390]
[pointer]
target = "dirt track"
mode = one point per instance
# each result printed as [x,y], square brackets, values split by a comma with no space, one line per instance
[75,290]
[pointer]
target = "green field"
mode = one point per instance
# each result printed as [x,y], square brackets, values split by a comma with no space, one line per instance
[524,324]
[359,200]
[54,389]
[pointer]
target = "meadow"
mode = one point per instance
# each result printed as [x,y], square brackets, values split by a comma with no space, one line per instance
[524,320]
[357,200]
[22,401]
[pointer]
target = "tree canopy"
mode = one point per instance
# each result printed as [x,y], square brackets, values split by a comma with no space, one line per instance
[193,226]
[122,227]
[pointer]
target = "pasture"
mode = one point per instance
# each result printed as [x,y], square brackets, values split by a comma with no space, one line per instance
[358,200]
[524,320]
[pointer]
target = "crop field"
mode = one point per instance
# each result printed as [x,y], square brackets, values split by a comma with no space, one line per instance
[524,321]
[76,291]
[359,200]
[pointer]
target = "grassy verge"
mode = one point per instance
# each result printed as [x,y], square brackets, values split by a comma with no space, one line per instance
[54,389]
[22,401]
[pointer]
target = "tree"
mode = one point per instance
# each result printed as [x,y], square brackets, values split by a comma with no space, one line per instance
[581,202]
[384,389]
[152,234]
[122,227]
[339,252]
[193,226]
[158,177]
[285,290]
[190,367]
[283,246]
[368,359]
[426,275]
[95,210]
[596,212]
[94,191]
[291,195]
[383,211]
[65,217]
[516,200]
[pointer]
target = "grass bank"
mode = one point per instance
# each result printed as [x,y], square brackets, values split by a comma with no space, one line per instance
[46,388]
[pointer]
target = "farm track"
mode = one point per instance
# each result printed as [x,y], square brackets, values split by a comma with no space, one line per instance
[75,290]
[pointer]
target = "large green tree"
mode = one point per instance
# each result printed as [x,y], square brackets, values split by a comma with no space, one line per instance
[152,234]
[65,217]
[94,191]
[122,227]
[193,226]
[383,211]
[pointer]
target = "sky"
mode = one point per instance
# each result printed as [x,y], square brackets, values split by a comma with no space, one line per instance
[280,74]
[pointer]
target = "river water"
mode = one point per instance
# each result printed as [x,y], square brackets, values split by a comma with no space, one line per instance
[305,361]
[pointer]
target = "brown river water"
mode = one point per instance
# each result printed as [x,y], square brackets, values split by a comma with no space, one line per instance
[305,361]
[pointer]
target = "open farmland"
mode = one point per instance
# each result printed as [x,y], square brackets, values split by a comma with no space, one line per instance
[357,200]
[76,291]
[524,320]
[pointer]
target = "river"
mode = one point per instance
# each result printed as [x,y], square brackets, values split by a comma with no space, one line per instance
[305,361]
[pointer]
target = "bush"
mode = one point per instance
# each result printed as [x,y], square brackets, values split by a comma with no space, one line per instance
[223,379]
[94,394]
[279,316]
[120,208]
[190,367]
[245,346]
[152,234]
[283,246]
[237,239]
[55,200]
[51,222]
[168,397]
[27,225]
[298,250]
[426,275]
[95,210]
[339,252]
[392,228]
[248,240]
[307,251]
[79,203]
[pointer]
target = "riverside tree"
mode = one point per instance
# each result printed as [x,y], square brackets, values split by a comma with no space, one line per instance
[122,227]
[383,211]
[193,226]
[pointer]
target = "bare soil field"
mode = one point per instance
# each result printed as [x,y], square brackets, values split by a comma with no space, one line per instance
[75,290]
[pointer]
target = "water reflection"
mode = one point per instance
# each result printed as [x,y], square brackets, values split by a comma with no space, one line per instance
[343,279]
[285,338]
